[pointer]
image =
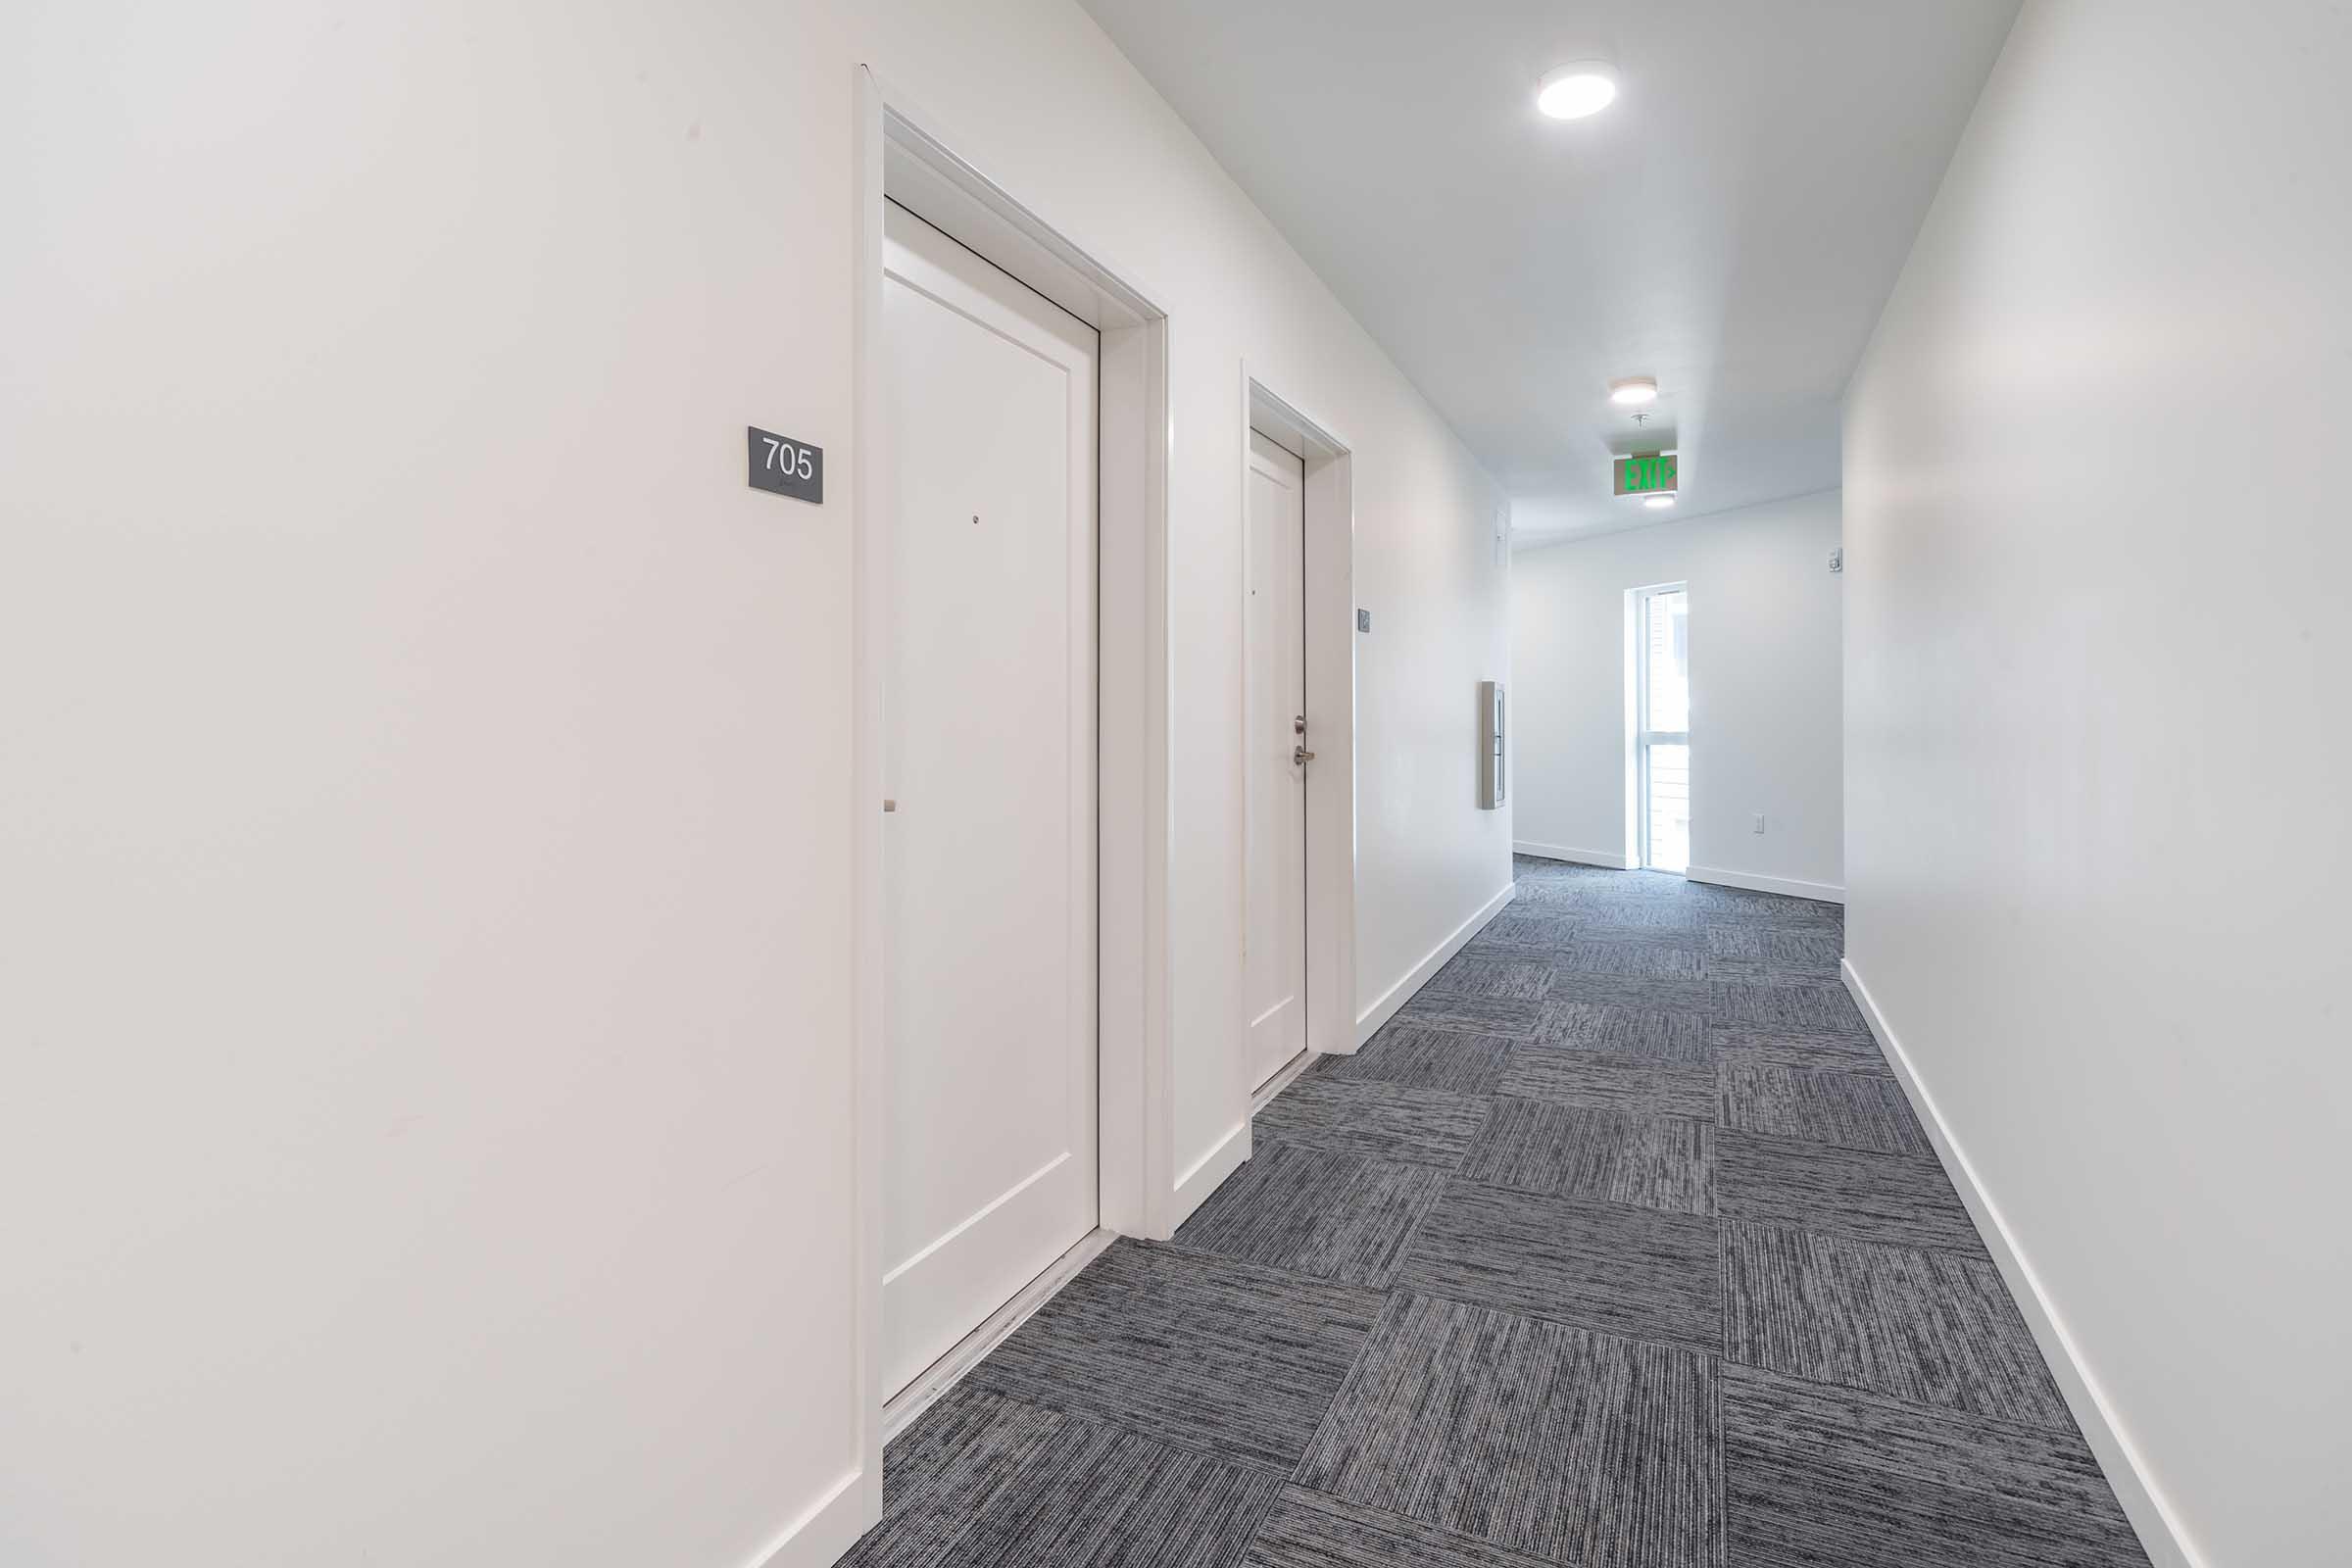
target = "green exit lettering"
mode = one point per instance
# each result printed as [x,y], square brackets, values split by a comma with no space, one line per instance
[1643,476]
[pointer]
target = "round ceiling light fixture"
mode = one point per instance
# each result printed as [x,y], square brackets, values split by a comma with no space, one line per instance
[1658,503]
[1634,390]
[1572,91]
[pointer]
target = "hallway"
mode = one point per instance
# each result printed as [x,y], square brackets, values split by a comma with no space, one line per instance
[1618,1246]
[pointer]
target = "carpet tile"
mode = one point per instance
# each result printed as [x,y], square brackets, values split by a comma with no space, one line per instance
[1792,1509]
[1632,1271]
[1803,950]
[1548,893]
[1677,1039]
[1795,956]
[1559,1442]
[1506,1018]
[1649,933]
[1856,1430]
[1107,1499]
[945,1469]
[1931,1327]
[1416,1056]
[1467,974]
[1849,1109]
[1225,1359]
[1385,1121]
[1824,1008]
[1315,1212]
[1632,991]
[1790,1048]
[1772,910]
[1617,1247]
[1895,1198]
[1014,1485]
[1575,1151]
[1309,1530]
[1734,941]
[1678,923]
[1531,929]
[1643,961]
[1611,1083]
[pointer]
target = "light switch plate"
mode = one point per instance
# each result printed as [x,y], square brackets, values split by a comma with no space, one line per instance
[1363,620]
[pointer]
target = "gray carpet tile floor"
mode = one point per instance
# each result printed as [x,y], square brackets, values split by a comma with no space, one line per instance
[1507,1018]
[1316,1212]
[1848,1109]
[1619,1247]
[1811,955]
[1383,1120]
[1202,1352]
[1558,1443]
[1830,1051]
[1418,1058]
[1653,1033]
[1505,979]
[1643,961]
[1842,1192]
[1310,1529]
[1632,991]
[1934,1327]
[1521,928]
[1636,1271]
[1611,1083]
[1577,1151]
[1816,1005]
[995,1481]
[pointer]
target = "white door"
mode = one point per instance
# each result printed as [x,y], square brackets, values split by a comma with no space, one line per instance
[1275,962]
[989,755]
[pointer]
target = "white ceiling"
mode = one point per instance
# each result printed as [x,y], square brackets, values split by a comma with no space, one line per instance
[1731,225]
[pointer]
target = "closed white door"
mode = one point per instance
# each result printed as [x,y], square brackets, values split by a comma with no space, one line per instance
[1275,962]
[988,756]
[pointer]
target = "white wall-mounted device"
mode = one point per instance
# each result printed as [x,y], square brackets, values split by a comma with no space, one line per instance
[1492,762]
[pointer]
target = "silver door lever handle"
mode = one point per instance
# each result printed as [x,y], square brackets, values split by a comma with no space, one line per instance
[1301,757]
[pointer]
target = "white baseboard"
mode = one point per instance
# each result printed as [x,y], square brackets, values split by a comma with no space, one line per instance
[1826,892]
[1368,1022]
[2151,1514]
[1562,852]
[1194,1186]
[826,1530]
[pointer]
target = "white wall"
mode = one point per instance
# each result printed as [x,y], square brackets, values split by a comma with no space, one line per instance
[421,883]
[2097,771]
[1766,614]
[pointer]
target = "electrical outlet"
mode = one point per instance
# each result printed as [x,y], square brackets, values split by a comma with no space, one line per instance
[1363,620]
[1759,821]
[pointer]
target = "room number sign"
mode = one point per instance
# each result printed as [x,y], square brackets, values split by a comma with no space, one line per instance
[787,467]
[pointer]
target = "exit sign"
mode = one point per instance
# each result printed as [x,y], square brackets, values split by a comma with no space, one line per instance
[1647,476]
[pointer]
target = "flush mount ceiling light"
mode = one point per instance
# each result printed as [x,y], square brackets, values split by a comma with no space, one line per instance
[1658,503]
[1630,390]
[1571,92]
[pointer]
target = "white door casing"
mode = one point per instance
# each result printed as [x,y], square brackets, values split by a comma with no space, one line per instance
[988,759]
[1275,652]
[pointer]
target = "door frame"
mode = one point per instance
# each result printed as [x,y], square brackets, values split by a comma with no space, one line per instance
[899,154]
[1640,734]
[1329,625]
